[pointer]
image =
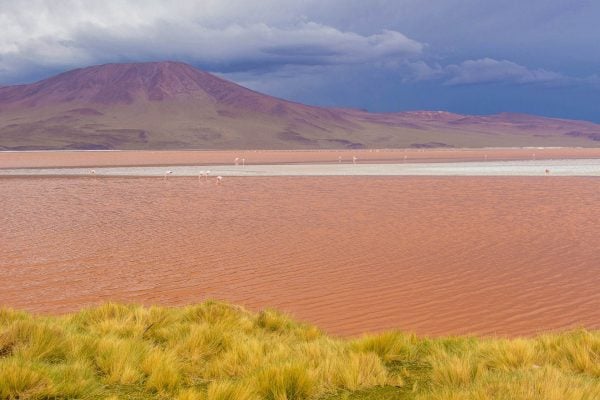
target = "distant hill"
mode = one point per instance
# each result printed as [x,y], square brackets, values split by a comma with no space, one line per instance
[171,105]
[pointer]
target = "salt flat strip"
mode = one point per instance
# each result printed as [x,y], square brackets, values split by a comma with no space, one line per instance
[571,167]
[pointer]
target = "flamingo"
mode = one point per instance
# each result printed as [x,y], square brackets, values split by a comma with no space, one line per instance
[169,172]
[200,175]
[206,174]
[340,159]
[354,158]
[93,172]
[219,180]
[236,161]
[243,162]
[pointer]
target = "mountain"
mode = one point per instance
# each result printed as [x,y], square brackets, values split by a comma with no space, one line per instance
[171,105]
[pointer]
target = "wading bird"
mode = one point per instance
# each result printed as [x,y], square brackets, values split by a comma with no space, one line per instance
[169,172]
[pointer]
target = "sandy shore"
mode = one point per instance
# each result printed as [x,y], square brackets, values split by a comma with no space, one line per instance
[52,159]
[435,255]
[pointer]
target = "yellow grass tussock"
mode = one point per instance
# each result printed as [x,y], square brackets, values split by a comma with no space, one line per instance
[216,351]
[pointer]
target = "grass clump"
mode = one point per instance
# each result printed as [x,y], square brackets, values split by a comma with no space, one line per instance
[215,351]
[22,379]
[286,382]
[226,390]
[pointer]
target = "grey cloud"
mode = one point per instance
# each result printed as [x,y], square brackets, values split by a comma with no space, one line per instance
[83,34]
[488,70]
[481,71]
[238,35]
[241,46]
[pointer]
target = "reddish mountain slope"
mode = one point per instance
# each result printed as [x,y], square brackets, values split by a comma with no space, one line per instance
[171,105]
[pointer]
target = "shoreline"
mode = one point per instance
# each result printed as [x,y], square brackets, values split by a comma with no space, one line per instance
[564,167]
[253,309]
[131,158]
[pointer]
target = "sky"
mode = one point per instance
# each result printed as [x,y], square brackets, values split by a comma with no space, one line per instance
[466,56]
